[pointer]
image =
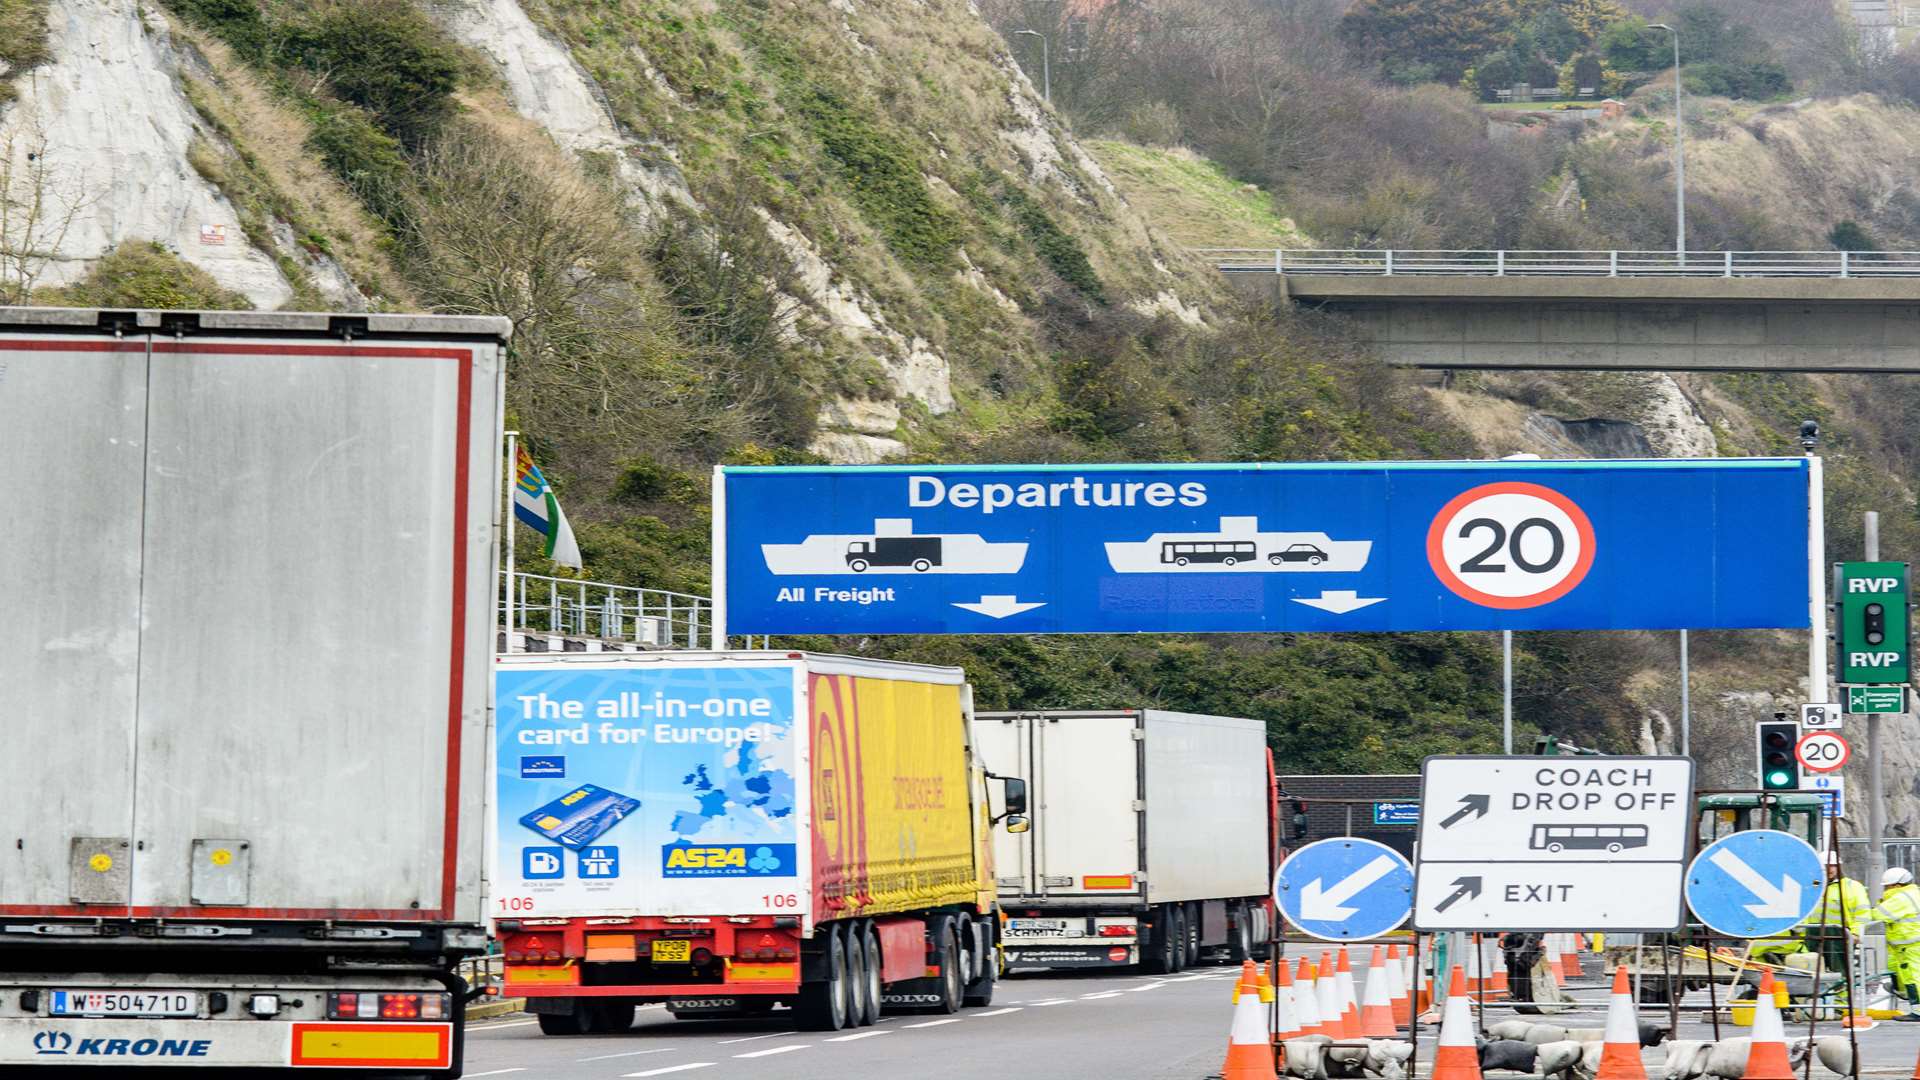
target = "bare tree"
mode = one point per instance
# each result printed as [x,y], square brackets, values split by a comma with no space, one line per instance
[38,206]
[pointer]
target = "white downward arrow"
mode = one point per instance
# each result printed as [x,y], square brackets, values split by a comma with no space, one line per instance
[1780,903]
[1325,905]
[999,607]
[1338,601]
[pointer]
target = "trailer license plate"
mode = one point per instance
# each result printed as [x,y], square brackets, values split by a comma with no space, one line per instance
[1027,928]
[124,1003]
[678,952]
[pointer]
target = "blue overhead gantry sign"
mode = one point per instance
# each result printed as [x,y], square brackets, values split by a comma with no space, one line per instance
[1499,545]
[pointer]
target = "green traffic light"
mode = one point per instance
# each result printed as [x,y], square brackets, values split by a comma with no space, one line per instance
[1779,779]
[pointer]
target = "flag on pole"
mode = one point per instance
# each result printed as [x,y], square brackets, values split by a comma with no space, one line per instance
[537,509]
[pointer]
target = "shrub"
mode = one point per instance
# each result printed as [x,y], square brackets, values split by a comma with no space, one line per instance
[366,159]
[143,274]
[23,34]
[1055,246]
[883,178]
[382,55]
[1758,81]
[236,22]
[1849,236]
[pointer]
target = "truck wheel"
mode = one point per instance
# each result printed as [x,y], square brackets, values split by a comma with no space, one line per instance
[566,1023]
[980,991]
[953,980]
[609,1017]
[1177,932]
[858,566]
[1191,919]
[876,995]
[1240,938]
[1161,962]
[823,1003]
[860,998]
[921,566]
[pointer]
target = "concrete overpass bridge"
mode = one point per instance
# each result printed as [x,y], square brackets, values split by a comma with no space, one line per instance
[1827,311]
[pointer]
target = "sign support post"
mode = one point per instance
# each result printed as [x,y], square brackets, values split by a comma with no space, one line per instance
[1686,702]
[513,477]
[1506,691]
[718,613]
[1816,582]
[1876,789]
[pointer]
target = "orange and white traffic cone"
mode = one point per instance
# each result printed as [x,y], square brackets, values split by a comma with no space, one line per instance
[1306,1000]
[1422,992]
[1249,1053]
[1497,984]
[1397,988]
[1286,1011]
[1349,997]
[1767,1053]
[1575,943]
[1620,1053]
[1376,1014]
[1326,995]
[1475,980]
[1457,1058]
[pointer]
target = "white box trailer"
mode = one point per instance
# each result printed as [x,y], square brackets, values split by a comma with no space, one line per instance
[1152,837]
[248,579]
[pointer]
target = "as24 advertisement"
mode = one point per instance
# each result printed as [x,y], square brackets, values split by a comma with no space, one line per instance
[656,789]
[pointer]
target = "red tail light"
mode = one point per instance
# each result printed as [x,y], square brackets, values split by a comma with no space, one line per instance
[377,1006]
[1115,930]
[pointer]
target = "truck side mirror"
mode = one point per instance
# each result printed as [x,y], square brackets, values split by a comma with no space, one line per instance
[1018,823]
[1016,797]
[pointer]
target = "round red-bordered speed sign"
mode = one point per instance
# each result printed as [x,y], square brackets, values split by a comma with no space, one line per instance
[1510,545]
[1822,751]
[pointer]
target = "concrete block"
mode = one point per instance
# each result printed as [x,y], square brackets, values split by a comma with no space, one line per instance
[1584,323]
[1425,322]
[1657,324]
[1731,324]
[1499,322]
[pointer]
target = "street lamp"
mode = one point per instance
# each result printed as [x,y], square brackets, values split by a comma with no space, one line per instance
[1046,63]
[1679,152]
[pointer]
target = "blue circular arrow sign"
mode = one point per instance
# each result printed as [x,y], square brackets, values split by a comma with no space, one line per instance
[1755,883]
[1345,889]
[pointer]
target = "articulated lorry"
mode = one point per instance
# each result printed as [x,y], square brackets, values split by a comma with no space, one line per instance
[727,832]
[245,645]
[1152,838]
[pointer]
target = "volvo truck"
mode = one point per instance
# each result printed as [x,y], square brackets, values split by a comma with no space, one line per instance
[1152,839]
[738,832]
[247,574]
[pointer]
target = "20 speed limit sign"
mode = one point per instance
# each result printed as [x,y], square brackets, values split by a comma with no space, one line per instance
[1821,751]
[1511,545]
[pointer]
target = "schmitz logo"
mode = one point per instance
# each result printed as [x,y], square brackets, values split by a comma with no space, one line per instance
[59,1043]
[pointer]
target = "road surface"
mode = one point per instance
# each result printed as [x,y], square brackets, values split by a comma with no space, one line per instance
[1113,1027]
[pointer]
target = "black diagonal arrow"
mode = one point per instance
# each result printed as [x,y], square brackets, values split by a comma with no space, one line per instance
[1463,888]
[1469,804]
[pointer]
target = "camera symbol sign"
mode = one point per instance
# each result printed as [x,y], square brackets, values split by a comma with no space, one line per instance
[1822,751]
[1511,545]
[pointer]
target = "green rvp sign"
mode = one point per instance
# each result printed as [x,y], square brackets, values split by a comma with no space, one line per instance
[1873,622]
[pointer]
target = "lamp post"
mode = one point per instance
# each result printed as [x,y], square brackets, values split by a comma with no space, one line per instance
[1046,63]
[1679,152]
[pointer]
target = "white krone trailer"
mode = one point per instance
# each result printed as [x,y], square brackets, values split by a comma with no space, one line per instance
[246,581]
[1151,841]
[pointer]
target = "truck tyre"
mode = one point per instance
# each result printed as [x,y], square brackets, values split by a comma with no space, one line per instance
[860,999]
[1177,930]
[980,990]
[1190,924]
[870,944]
[609,1017]
[1240,937]
[953,975]
[823,1002]
[573,1022]
[1162,960]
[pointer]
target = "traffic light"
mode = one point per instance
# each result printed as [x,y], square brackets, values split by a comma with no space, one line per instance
[1775,739]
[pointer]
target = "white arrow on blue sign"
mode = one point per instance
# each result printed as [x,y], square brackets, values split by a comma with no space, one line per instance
[1754,883]
[1345,889]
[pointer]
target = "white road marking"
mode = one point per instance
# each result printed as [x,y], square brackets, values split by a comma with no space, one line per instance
[482,1028]
[497,1072]
[1149,986]
[627,1053]
[769,1052]
[1113,993]
[858,1035]
[1055,1001]
[996,1012]
[753,1038]
[675,1068]
[935,1023]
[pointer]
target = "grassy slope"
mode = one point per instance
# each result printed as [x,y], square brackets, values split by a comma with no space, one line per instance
[1192,200]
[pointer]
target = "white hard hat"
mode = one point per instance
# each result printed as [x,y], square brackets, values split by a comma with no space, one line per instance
[1897,875]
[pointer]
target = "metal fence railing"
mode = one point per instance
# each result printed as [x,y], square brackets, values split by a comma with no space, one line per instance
[654,618]
[1433,263]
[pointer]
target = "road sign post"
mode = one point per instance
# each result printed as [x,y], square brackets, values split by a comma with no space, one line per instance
[1337,546]
[1755,883]
[1344,889]
[1530,843]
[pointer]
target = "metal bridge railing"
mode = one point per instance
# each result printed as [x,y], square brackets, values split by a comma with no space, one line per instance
[591,609]
[1436,263]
